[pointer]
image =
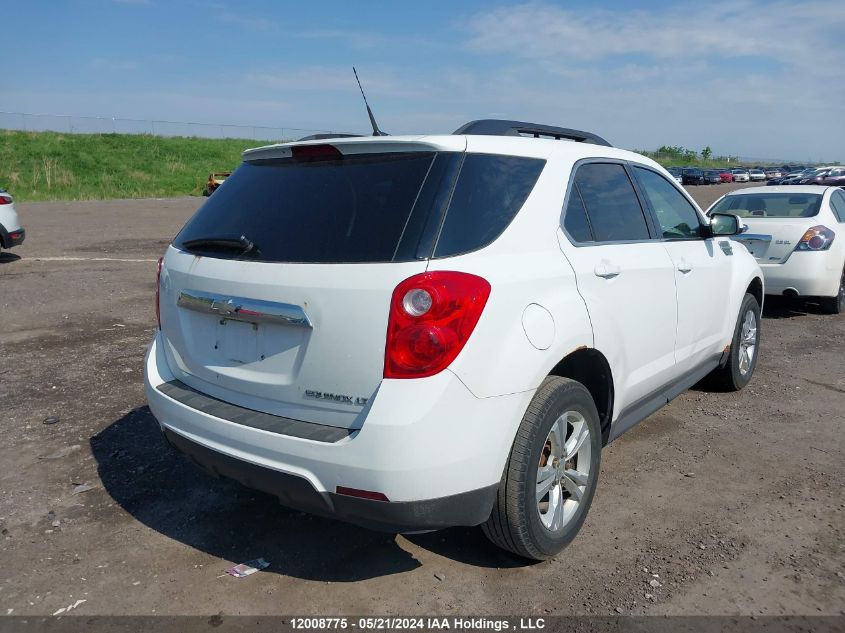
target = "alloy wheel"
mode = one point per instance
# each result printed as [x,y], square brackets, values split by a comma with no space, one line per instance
[564,470]
[747,342]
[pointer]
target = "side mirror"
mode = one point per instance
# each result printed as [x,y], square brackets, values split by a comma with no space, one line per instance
[726,224]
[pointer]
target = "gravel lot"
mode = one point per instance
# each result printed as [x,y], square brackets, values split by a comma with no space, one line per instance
[731,503]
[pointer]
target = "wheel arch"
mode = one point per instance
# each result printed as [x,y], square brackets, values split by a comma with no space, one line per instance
[589,366]
[755,288]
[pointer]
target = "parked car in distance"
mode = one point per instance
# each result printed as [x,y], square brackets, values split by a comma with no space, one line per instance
[677,174]
[215,179]
[725,174]
[834,178]
[741,175]
[433,343]
[693,176]
[12,232]
[783,180]
[773,173]
[819,176]
[712,177]
[792,234]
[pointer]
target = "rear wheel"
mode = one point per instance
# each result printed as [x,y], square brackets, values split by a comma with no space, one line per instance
[836,305]
[745,346]
[551,474]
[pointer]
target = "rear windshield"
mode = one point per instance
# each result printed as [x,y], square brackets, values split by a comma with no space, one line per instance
[350,210]
[770,205]
[361,208]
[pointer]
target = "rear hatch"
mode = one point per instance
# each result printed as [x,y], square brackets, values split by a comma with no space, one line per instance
[275,295]
[776,221]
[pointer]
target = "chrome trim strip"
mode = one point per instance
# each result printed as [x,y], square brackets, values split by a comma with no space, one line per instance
[241,309]
[757,237]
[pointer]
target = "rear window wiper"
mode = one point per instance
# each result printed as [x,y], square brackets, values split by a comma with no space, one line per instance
[242,244]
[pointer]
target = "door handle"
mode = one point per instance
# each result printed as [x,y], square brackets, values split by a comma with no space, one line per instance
[684,267]
[607,270]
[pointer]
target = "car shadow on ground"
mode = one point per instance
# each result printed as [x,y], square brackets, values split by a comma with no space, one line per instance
[8,258]
[785,308]
[160,488]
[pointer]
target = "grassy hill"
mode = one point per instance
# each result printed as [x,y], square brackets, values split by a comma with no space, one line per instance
[56,166]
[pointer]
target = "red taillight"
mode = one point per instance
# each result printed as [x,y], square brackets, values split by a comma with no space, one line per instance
[158,291]
[361,494]
[431,318]
[817,238]
[323,151]
[4,199]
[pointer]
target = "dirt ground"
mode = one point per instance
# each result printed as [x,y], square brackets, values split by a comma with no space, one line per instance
[732,503]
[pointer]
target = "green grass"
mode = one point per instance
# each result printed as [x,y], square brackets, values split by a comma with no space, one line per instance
[56,166]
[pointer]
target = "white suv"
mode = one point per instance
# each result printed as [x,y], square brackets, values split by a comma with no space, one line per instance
[11,231]
[411,333]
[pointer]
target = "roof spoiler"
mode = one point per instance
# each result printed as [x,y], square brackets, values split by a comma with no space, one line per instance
[499,127]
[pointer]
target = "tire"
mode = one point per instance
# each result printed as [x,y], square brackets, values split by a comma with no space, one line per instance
[745,348]
[836,305]
[539,529]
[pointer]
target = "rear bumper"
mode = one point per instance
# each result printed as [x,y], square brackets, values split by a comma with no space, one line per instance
[805,273]
[468,508]
[428,445]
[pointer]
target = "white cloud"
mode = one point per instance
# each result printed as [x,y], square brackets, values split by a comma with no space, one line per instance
[745,77]
[789,32]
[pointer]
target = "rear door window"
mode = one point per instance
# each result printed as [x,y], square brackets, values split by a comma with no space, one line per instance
[612,205]
[349,210]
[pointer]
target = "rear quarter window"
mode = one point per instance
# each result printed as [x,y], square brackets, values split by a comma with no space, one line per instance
[490,191]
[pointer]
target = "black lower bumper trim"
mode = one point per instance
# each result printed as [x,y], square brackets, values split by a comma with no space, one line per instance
[465,509]
[190,397]
[8,239]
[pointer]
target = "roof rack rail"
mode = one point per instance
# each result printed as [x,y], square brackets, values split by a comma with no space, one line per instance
[319,137]
[499,127]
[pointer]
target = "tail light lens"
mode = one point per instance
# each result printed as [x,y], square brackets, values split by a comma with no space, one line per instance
[432,315]
[817,238]
[158,291]
[5,199]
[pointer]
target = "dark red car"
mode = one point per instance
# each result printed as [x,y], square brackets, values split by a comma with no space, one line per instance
[725,175]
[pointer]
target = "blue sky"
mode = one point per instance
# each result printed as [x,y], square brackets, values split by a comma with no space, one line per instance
[748,77]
